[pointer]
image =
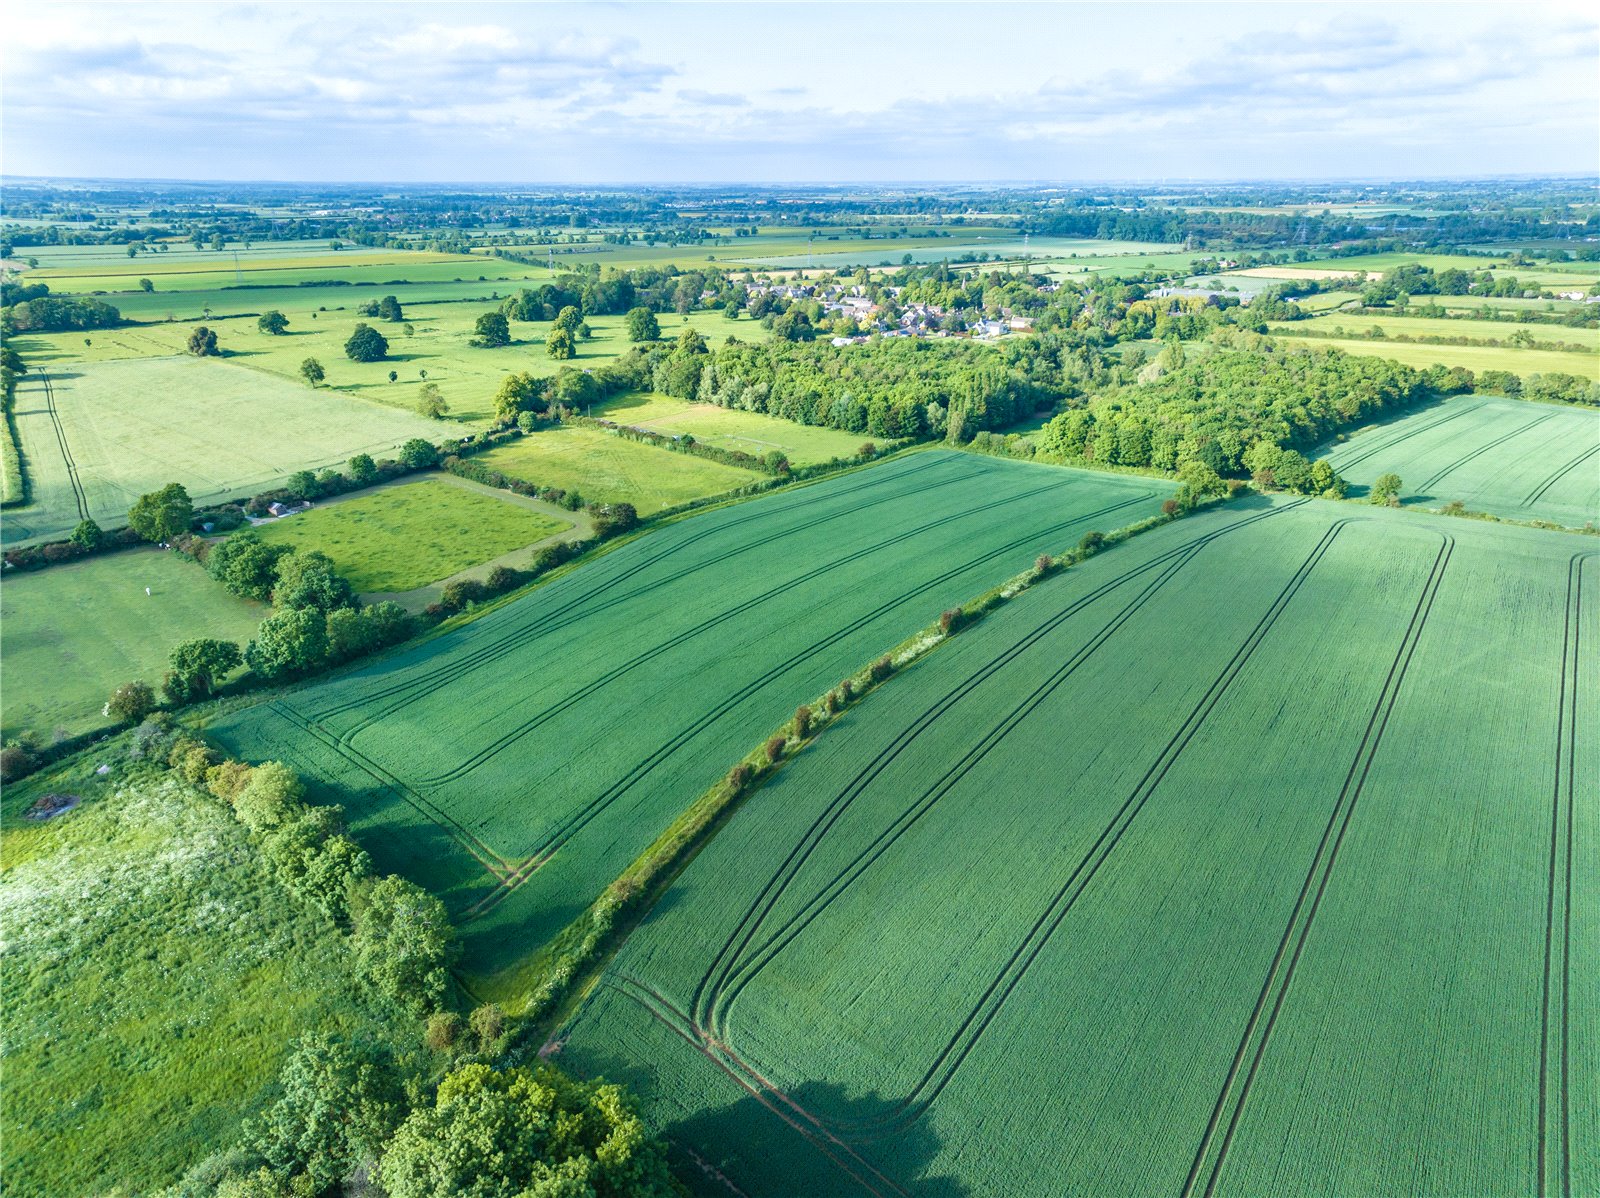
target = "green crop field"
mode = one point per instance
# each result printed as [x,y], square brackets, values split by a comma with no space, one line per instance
[73,633]
[1474,357]
[1342,324]
[606,468]
[98,434]
[1525,461]
[1185,871]
[402,537]
[515,765]
[156,977]
[748,432]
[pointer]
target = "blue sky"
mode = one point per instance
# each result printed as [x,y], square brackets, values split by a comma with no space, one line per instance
[798,92]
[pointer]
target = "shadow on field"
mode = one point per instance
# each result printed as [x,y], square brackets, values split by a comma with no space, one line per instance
[765,1157]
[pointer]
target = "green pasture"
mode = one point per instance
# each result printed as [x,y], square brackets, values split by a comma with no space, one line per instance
[438,345]
[73,633]
[606,468]
[1341,324]
[398,538]
[156,978]
[1474,357]
[1554,276]
[1187,869]
[1524,461]
[530,755]
[747,432]
[100,427]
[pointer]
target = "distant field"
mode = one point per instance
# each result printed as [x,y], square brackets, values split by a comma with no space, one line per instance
[1524,461]
[606,468]
[97,435]
[155,980]
[400,538]
[1006,245]
[438,345]
[1340,324]
[1473,357]
[528,756]
[74,633]
[1178,876]
[748,432]
[1572,274]
[179,272]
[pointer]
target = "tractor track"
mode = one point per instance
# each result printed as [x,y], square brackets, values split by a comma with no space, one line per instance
[1211,1154]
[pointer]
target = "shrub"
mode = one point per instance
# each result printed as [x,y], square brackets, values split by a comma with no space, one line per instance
[268,796]
[418,454]
[847,691]
[1091,543]
[227,780]
[802,722]
[17,762]
[503,578]
[739,777]
[1169,507]
[131,702]
[830,703]
[950,621]
[1043,564]
[867,450]
[775,747]
[882,668]
[87,535]
[488,1024]
[443,1029]
[461,593]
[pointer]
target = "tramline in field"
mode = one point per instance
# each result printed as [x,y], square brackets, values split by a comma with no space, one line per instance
[1179,870]
[517,764]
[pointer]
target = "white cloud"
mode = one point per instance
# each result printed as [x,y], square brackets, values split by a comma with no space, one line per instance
[624,91]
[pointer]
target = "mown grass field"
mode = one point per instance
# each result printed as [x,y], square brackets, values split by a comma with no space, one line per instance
[400,538]
[1474,357]
[1525,461]
[1185,871]
[98,434]
[606,468]
[747,432]
[155,980]
[438,345]
[73,633]
[516,764]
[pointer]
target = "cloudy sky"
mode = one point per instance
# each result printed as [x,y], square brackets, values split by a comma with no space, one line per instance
[797,92]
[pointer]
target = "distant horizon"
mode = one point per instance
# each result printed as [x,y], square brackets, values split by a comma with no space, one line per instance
[824,184]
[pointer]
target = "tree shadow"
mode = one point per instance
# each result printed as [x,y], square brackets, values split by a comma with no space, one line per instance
[747,1148]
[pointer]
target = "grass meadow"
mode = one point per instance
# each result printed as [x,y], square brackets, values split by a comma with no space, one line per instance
[403,537]
[98,434]
[155,979]
[665,659]
[438,345]
[1338,324]
[606,468]
[75,632]
[1218,760]
[1523,461]
[748,432]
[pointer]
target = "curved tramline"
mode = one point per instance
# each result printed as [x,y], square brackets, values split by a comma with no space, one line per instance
[585,603]
[1203,764]
[1452,467]
[519,761]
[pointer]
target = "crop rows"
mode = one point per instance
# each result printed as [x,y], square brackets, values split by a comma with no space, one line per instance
[1169,868]
[1492,455]
[548,742]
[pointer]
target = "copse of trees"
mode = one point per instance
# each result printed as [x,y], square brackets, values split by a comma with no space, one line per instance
[1216,408]
[30,308]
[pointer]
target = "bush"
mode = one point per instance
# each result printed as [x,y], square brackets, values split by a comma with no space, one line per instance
[444,1027]
[847,691]
[1091,543]
[830,703]
[17,762]
[462,593]
[802,722]
[131,702]
[504,578]
[488,1024]
[775,747]
[950,621]
[882,668]
[268,797]
[418,454]
[739,777]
